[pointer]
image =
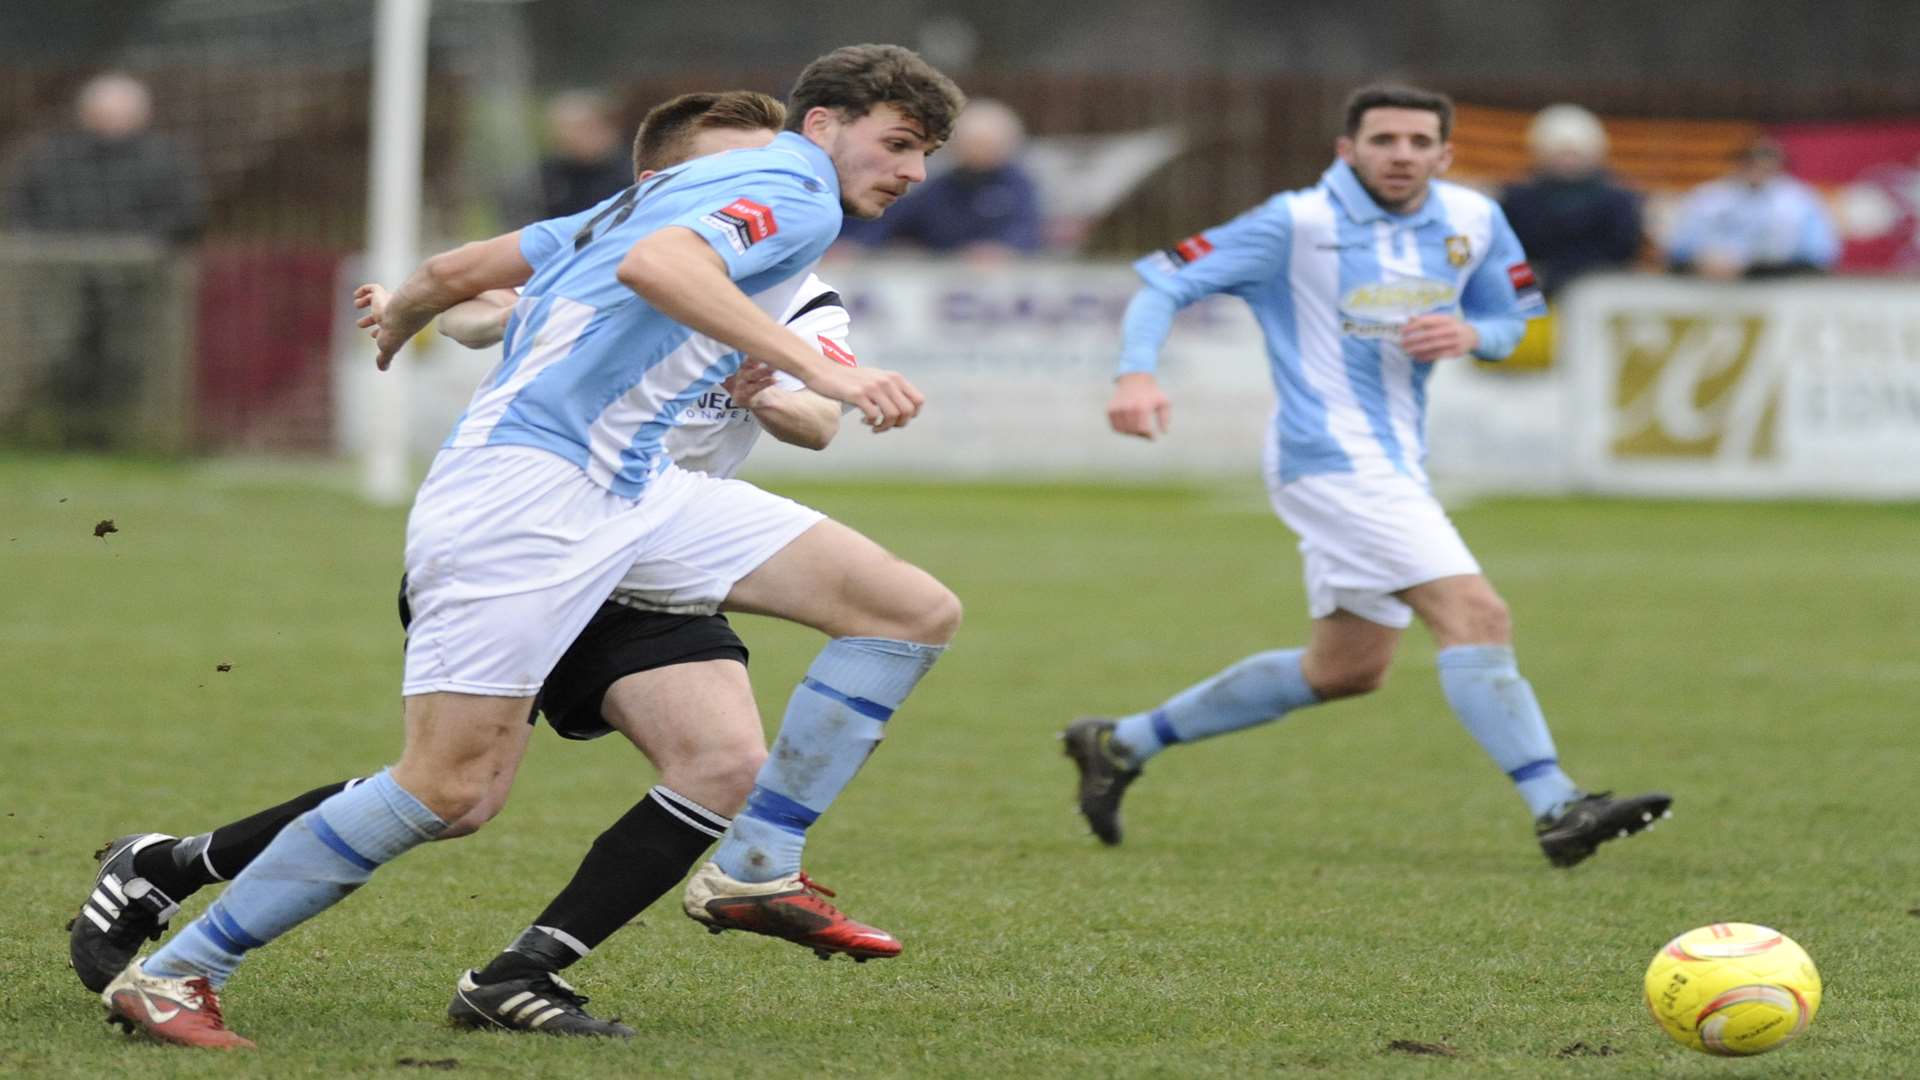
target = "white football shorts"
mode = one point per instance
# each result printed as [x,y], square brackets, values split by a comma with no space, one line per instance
[721,531]
[510,551]
[1364,538]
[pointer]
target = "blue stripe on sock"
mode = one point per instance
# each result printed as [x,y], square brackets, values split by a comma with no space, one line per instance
[858,704]
[779,811]
[1534,768]
[217,916]
[340,847]
[1163,728]
[220,940]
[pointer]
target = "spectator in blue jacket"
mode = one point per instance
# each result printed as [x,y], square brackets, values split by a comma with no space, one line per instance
[985,206]
[1758,222]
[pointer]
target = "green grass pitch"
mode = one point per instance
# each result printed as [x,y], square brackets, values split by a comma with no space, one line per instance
[1290,901]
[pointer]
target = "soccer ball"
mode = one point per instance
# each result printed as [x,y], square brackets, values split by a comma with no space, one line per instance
[1733,989]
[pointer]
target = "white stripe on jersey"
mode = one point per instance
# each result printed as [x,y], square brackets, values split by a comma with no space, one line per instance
[1314,274]
[565,320]
[1399,253]
[666,388]
[1471,215]
[717,442]
[613,432]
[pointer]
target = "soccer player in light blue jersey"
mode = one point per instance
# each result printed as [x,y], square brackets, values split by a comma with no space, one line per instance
[555,487]
[1360,284]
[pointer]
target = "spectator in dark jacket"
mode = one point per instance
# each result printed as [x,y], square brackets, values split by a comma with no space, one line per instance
[587,156]
[102,311]
[109,174]
[1571,215]
[986,206]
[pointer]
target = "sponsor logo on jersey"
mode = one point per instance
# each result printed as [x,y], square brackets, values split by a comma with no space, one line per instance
[743,222]
[832,350]
[1459,251]
[1525,288]
[1380,309]
[1186,251]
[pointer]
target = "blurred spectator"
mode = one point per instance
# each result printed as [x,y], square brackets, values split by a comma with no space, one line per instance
[587,155]
[1758,222]
[985,206]
[111,201]
[1571,215]
[110,174]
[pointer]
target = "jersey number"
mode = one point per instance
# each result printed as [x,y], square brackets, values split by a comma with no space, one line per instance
[619,210]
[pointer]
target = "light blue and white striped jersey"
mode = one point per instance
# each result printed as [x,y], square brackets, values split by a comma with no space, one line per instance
[589,370]
[1331,278]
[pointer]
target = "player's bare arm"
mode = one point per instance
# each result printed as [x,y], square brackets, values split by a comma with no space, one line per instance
[481,321]
[444,280]
[1435,337]
[797,417]
[685,279]
[1139,407]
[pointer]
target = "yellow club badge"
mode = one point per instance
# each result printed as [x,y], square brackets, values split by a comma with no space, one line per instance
[1459,250]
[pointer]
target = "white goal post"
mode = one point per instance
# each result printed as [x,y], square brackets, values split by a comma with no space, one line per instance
[393,224]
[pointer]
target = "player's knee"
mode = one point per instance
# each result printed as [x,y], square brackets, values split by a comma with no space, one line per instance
[938,616]
[1350,677]
[734,773]
[719,777]
[1483,619]
[461,801]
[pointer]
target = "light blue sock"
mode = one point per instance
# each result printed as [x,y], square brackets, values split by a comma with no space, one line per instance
[834,720]
[1484,686]
[1263,687]
[315,862]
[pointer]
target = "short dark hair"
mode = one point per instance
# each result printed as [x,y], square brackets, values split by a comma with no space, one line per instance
[666,135]
[1398,96]
[853,79]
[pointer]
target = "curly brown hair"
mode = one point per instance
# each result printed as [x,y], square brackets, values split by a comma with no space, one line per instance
[853,79]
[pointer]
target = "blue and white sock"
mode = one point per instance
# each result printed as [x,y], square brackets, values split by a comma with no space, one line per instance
[835,719]
[318,859]
[1497,706]
[1263,687]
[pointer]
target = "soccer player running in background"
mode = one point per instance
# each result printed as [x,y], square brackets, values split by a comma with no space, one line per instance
[673,681]
[1359,285]
[554,488]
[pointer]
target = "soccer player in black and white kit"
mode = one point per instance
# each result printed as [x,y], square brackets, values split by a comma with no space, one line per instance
[669,674]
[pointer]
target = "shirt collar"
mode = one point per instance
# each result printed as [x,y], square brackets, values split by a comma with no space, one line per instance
[1340,181]
[795,143]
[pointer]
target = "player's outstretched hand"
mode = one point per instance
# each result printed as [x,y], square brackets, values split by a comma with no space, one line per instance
[372,298]
[745,384]
[1435,337]
[1139,407]
[885,398]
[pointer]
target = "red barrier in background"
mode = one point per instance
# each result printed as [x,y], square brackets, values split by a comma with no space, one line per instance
[262,378]
[1871,173]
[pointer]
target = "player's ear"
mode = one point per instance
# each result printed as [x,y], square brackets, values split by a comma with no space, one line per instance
[820,124]
[644,173]
[1343,146]
[1446,158]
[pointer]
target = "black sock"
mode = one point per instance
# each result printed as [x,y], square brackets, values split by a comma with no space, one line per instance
[631,865]
[180,867]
